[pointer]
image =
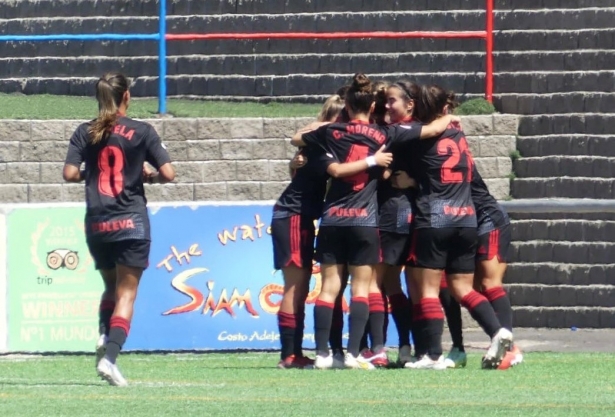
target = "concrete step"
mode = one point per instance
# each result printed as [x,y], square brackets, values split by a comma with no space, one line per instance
[236,85]
[562,252]
[558,103]
[550,273]
[548,19]
[577,123]
[564,317]
[567,144]
[550,82]
[554,40]
[302,22]
[551,4]
[567,60]
[232,47]
[582,187]
[569,166]
[564,230]
[561,295]
[69,8]
[253,64]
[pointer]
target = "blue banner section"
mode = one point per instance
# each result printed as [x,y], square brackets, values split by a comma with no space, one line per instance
[211,282]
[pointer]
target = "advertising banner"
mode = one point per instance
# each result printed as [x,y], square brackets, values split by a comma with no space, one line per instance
[53,289]
[210,283]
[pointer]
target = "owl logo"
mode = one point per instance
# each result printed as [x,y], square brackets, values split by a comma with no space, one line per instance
[62,258]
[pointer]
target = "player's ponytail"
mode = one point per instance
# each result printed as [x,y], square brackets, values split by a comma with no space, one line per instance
[331,109]
[110,90]
[380,96]
[431,103]
[359,98]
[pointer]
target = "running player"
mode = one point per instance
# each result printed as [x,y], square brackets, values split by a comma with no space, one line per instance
[114,149]
[292,233]
[445,226]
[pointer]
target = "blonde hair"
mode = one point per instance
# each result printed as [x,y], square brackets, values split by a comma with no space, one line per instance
[331,109]
[110,90]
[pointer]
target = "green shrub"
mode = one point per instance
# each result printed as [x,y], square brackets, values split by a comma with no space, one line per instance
[475,106]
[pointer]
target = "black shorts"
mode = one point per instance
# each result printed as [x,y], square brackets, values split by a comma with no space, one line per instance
[352,245]
[293,241]
[452,249]
[133,253]
[394,247]
[495,243]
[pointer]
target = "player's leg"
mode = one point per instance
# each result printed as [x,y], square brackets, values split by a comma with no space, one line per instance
[490,269]
[131,258]
[105,265]
[460,274]
[293,247]
[457,357]
[336,334]
[376,320]
[363,253]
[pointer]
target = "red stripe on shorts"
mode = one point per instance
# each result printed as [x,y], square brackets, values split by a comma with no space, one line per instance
[494,240]
[295,241]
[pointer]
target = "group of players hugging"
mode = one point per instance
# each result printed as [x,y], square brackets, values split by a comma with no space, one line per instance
[388,171]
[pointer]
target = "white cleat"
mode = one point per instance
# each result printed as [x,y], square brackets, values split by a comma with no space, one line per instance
[101,348]
[405,355]
[456,359]
[110,373]
[357,363]
[426,362]
[500,344]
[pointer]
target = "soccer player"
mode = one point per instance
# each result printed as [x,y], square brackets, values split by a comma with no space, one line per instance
[445,235]
[494,239]
[114,149]
[292,233]
[348,231]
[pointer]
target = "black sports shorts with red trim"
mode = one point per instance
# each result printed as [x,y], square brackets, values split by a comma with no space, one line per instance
[495,243]
[452,249]
[394,247]
[293,241]
[132,252]
[352,245]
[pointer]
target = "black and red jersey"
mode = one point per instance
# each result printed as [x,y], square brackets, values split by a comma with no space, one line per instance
[395,205]
[490,214]
[443,168]
[115,198]
[350,201]
[305,194]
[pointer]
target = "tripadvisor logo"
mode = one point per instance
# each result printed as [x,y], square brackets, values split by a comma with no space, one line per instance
[62,258]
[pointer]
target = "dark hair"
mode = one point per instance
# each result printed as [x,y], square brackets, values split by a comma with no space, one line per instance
[110,90]
[411,90]
[451,101]
[380,96]
[343,90]
[359,97]
[432,100]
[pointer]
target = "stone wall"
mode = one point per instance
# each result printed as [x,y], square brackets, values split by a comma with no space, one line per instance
[216,159]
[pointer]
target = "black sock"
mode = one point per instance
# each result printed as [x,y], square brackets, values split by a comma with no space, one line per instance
[376,321]
[433,317]
[418,331]
[402,316]
[287,327]
[365,338]
[323,313]
[336,334]
[482,312]
[452,310]
[117,337]
[299,328]
[359,313]
[501,305]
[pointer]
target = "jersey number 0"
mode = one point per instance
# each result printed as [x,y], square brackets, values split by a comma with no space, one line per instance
[111,166]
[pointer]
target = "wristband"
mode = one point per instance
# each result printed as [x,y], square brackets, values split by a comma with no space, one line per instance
[371,161]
